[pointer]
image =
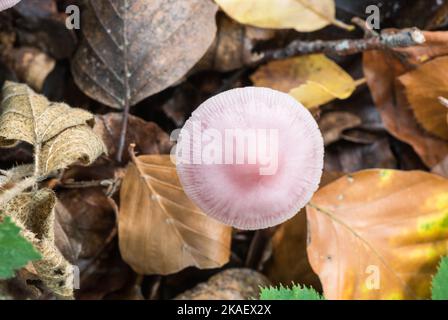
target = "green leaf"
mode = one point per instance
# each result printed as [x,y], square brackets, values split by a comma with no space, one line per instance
[295,293]
[15,251]
[440,281]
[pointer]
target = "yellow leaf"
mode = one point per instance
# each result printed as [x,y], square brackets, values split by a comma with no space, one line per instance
[313,80]
[160,230]
[379,234]
[302,15]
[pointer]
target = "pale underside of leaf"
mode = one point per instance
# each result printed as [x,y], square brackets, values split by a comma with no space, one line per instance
[29,117]
[134,48]
[76,144]
[379,224]
[161,230]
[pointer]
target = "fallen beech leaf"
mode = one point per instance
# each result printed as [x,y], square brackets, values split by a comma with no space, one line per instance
[60,134]
[289,261]
[137,48]
[31,65]
[434,46]
[233,46]
[302,15]
[160,230]
[424,86]
[148,137]
[333,124]
[87,218]
[381,70]
[313,80]
[378,234]
[231,284]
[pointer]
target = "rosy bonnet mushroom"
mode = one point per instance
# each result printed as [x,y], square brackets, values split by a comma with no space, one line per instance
[6,4]
[250,157]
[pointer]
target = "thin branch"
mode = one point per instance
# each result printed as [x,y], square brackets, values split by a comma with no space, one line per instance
[385,40]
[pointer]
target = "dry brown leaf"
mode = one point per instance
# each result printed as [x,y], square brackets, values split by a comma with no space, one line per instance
[434,46]
[312,79]
[302,15]
[133,49]
[233,46]
[31,65]
[381,70]
[379,234]
[231,284]
[333,124]
[160,230]
[148,137]
[424,86]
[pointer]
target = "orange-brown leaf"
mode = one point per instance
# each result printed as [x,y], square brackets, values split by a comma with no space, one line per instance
[424,86]
[385,225]
[160,230]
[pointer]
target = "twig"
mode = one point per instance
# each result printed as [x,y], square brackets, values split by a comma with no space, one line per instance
[124,129]
[86,184]
[385,40]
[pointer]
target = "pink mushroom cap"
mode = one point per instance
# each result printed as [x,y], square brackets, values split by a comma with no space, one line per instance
[289,148]
[6,4]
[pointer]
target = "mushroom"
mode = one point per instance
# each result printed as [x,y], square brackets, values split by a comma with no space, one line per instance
[6,4]
[250,157]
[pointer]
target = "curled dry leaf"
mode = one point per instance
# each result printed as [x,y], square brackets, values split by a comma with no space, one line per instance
[133,49]
[231,284]
[424,86]
[34,214]
[61,135]
[312,79]
[381,70]
[302,15]
[396,236]
[76,144]
[160,230]
[435,46]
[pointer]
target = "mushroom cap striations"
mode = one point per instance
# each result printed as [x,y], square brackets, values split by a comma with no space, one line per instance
[250,157]
[6,4]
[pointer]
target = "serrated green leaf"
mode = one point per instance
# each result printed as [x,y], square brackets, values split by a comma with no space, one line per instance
[297,292]
[15,251]
[440,281]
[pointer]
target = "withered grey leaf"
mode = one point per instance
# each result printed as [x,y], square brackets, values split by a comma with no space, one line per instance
[34,214]
[74,145]
[132,49]
[15,174]
[30,117]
